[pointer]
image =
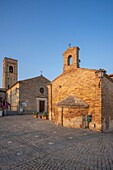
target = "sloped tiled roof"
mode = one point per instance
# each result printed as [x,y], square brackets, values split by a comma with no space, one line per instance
[72,101]
[33,78]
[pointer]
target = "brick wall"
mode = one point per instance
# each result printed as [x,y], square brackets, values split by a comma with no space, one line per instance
[70,117]
[83,83]
[74,52]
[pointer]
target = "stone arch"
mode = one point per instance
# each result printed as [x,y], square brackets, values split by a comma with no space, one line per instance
[11,69]
[69,60]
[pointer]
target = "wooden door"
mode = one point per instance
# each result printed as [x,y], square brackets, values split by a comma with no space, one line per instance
[42,106]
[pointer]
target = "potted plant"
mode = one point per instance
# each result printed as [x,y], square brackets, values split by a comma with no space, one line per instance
[35,114]
[45,115]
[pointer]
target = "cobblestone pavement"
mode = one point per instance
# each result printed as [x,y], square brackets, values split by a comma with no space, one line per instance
[34,144]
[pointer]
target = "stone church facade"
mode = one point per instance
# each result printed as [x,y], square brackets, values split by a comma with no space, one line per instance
[81,97]
[25,96]
[29,95]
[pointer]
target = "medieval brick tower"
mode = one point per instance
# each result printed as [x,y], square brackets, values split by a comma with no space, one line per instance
[10,72]
[71,58]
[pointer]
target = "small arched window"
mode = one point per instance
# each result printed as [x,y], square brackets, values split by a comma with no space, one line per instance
[69,60]
[11,69]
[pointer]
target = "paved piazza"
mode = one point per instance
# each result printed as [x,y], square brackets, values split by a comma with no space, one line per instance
[35,144]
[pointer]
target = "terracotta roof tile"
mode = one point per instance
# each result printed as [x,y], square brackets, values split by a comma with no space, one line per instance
[72,101]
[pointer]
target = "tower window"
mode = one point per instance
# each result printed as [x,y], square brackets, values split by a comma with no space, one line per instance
[8,86]
[10,69]
[69,60]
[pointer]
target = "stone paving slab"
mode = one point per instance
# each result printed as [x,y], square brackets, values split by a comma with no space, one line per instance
[35,144]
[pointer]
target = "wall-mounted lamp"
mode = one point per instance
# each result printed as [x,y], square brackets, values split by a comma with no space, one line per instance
[101,73]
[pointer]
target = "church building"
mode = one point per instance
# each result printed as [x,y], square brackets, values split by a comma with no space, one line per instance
[25,96]
[81,97]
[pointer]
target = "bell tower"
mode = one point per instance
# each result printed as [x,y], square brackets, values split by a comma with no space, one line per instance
[71,58]
[10,72]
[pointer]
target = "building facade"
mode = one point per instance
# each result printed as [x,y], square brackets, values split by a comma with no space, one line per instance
[81,97]
[29,95]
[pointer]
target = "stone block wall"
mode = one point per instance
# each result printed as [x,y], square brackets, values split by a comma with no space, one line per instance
[3,93]
[9,79]
[30,90]
[24,94]
[13,96]
[107,103]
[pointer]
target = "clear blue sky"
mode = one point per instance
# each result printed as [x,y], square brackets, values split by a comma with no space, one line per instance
[37,32]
